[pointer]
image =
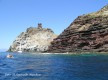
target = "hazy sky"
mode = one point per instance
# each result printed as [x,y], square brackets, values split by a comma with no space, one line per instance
[17,15]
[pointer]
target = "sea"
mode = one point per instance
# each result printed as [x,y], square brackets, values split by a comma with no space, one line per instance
[37,66]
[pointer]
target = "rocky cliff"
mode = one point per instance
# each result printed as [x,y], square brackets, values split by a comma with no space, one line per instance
[88,32]
[33,40]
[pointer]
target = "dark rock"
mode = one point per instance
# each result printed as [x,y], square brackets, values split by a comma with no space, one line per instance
[86,33]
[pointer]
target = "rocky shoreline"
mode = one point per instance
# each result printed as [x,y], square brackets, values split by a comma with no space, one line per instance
[87,33]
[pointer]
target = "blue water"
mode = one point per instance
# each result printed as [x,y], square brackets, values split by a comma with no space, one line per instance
[53,67]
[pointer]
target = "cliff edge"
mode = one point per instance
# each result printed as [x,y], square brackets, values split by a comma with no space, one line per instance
[88,32]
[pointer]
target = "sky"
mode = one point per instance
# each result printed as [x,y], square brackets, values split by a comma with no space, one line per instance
[18,15]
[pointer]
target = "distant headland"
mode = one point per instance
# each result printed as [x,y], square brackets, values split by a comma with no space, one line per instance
[87,33]
[35,39]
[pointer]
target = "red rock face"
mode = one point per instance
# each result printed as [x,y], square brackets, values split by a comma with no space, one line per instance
[86,33]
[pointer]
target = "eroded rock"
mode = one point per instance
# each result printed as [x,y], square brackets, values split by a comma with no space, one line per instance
[33,40]
[88,32]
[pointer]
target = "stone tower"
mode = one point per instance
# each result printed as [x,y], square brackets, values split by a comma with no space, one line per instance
[39,26]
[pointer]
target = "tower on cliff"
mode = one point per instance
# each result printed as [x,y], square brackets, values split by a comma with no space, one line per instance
[39,26]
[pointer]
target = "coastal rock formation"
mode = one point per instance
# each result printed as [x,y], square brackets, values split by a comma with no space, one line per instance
[33,40]
[88,32]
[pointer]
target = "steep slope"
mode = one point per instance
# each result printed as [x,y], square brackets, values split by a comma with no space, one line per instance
[33,40]
[86,33]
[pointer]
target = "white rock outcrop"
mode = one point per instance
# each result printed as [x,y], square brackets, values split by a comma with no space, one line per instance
[33,40]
